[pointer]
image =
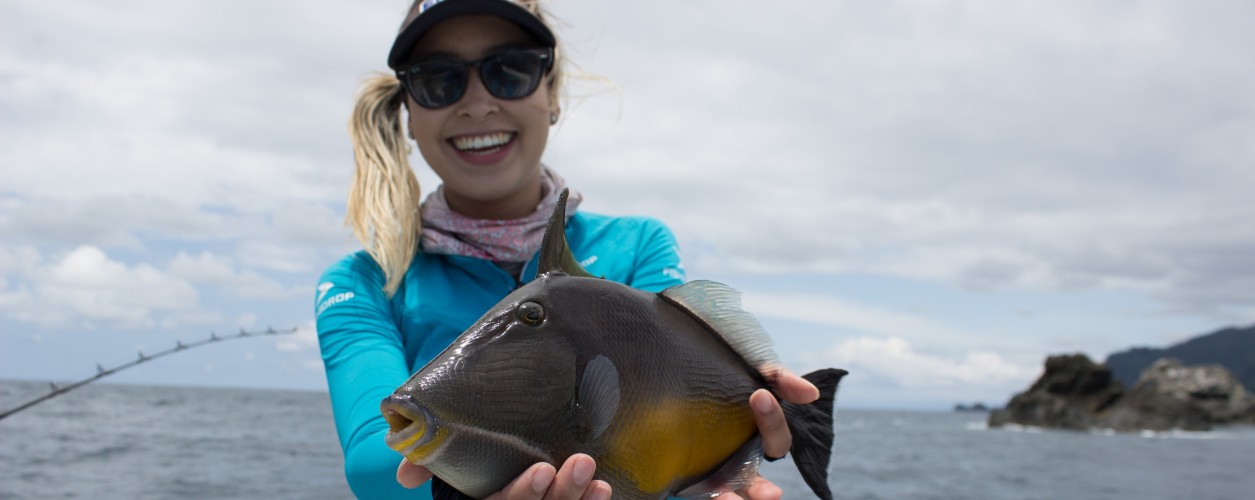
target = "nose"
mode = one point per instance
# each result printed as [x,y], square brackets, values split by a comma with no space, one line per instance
[477,103]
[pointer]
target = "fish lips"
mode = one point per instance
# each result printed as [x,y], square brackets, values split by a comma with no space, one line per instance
[410,425]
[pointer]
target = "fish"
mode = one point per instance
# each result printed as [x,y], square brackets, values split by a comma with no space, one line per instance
[654,386]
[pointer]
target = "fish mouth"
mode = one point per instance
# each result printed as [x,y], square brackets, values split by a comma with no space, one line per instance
[410,426]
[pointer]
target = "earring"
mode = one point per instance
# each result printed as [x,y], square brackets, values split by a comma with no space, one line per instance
[553,117]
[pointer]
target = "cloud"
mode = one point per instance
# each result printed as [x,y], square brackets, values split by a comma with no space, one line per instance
[197,138]
[895,351]
[211,269]
[1010,146]
[86,289]
[855,317]
[895,360]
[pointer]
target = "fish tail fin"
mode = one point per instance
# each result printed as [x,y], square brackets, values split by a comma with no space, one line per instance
[811,426]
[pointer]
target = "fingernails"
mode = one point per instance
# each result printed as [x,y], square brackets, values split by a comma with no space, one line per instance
[583,472]
[602,492]
[542,478]
[762,404]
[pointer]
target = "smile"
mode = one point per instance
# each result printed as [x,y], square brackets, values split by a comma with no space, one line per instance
[482,144]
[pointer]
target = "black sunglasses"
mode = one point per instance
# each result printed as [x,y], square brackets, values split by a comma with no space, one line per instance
[437,82]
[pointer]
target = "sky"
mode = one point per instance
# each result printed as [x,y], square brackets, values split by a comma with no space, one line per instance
[934,195]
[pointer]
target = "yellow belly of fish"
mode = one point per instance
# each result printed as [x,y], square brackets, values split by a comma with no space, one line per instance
[678,439]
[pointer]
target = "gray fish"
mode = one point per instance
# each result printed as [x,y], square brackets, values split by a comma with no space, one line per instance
[655,387]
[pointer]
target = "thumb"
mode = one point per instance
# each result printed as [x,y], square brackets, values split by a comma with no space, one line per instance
[412,475]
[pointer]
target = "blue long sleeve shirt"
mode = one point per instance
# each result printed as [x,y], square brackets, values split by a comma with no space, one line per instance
[371,343]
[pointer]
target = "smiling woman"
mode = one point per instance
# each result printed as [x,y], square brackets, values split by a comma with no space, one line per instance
[1075,172]
[480,80]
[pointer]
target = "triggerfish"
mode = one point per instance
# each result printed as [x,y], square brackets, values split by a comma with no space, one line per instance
[654,386]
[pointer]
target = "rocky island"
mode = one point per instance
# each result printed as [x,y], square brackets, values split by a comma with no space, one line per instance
[1077,393]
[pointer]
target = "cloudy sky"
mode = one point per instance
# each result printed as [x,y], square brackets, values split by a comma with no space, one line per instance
[933,195]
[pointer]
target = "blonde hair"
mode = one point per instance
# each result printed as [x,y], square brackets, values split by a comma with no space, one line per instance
[384,196]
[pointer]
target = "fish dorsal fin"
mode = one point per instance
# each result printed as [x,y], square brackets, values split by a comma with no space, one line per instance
[597,399]
[719,305]
[555,254]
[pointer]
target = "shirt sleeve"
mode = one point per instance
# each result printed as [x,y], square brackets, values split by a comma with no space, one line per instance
[658,265]
[364,358]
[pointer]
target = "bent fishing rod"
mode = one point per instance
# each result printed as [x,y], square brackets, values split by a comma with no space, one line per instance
[102,372]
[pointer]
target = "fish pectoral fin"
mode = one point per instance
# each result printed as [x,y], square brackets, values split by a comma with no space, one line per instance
[736,473]
[597,400]
[719,306]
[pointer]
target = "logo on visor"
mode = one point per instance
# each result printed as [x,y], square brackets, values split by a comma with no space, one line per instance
[427,4]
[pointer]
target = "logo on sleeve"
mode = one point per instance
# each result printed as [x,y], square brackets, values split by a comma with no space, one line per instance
[332,300]
[322,290]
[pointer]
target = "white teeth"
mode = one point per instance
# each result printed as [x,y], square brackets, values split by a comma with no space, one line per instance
[473,143]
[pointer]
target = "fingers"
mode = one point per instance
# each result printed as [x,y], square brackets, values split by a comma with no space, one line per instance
[791,387]
[575,481]
[762,489]
[530,485]
[411,475]
[772,428]
[598,490]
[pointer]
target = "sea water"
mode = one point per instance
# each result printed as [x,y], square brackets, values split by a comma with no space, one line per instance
[121,441]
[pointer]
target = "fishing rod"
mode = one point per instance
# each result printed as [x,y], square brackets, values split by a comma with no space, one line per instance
[102,372]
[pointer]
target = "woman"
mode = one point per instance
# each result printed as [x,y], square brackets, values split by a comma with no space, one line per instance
[480,80]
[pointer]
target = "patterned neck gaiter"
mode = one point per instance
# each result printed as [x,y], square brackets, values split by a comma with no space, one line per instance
[513,240]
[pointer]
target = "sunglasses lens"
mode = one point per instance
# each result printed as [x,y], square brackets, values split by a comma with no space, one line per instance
[513,75]
[437,83]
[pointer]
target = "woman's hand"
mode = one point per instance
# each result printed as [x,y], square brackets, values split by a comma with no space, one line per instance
[774,431]
[772,428]
[573,482]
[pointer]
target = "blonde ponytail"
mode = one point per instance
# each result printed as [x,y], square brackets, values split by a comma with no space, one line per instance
[383,207]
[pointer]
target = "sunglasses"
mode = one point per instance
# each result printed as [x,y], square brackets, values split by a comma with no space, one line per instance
[437,82]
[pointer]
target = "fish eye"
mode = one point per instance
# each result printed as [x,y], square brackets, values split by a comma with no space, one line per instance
[531,313]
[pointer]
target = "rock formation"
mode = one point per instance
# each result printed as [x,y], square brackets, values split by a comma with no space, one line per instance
[1170,395]
[1076,393]
[1069,395]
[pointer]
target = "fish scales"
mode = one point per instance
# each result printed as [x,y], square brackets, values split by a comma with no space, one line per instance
[654,386]
[691,388]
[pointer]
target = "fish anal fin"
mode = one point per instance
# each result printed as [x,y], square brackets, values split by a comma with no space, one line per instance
[736,473]
[598,396]
[719,306]
[811,426]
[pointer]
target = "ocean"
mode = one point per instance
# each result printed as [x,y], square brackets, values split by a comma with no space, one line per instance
[138,442]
